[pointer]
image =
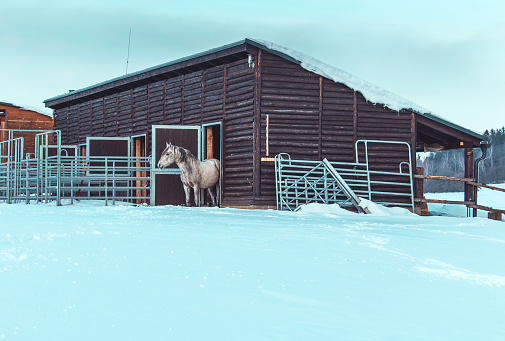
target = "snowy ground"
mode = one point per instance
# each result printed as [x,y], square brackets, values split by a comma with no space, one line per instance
[90,272]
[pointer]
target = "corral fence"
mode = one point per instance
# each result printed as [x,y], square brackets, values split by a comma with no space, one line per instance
[470,203]
[51,173]
[302,182]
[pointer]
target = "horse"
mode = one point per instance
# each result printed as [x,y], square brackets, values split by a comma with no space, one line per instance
[195,174]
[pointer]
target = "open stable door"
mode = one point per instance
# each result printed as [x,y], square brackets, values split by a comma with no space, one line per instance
[167,188]
[139,151]
[211,145]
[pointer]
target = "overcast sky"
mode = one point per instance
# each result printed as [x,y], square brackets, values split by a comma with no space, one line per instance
[447,56]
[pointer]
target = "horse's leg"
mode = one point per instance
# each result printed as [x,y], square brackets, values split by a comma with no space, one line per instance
[187,190]
[196,189]
[217,193]
[212,195]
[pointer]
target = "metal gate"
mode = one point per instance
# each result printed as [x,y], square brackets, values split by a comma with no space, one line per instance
[53,173]
[300,182]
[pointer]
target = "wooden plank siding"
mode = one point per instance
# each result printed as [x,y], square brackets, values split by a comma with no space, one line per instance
[311,118]
[15,117]
[290,98]
[218,94]
[238,150]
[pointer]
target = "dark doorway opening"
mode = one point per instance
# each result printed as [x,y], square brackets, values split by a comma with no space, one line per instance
[212,150]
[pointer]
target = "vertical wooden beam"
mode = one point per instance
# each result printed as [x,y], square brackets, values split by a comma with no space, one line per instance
[164,101]
[320,124]
[116,113]
[138,153]
[148,114]
[132,110]
[182,99]
[90,128]
[420,208]
[223,136]
[354,123]
[257,127]
[202,98]
[468,170]
[413,142]
[2,133]
[103,116]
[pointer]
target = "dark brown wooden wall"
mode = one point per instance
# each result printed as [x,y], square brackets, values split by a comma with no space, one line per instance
[311,118]
[223,93]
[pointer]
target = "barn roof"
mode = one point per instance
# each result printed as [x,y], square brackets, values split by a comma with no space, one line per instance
[240,50]
[42,111]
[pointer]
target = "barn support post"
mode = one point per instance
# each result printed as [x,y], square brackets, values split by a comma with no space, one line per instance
[413,143]
[223,184]
[468,174]
[257,128]
[58,179]
[355,123]
[320,124]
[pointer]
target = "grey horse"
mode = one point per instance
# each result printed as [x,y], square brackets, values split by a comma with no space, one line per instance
[195,174]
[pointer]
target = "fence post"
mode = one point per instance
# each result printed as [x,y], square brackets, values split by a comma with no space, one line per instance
[58,168]
[9,163]
[468,174]
[106,178]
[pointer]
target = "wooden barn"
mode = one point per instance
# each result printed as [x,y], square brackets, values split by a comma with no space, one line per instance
[20,118]
[243,103]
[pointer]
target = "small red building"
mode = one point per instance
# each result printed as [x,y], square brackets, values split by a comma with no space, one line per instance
[17,117]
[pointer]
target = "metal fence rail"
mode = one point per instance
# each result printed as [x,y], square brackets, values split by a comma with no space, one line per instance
[38,177]
[301,182]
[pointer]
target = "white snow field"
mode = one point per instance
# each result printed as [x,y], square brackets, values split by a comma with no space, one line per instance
[93,272]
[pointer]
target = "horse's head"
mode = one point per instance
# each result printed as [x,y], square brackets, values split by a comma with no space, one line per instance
[167,157]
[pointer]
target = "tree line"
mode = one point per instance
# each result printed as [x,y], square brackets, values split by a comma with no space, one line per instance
[451,163]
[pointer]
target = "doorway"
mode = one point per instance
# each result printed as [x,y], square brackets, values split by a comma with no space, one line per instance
[139,151]
[166,186]
[212,146]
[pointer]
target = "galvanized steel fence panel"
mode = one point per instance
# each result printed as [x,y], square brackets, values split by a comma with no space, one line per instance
[300,182]
[42,178]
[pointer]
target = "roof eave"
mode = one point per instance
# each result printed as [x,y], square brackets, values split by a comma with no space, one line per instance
[152,72]
[464,130]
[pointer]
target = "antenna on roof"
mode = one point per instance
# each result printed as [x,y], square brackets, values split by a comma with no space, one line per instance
[128,57]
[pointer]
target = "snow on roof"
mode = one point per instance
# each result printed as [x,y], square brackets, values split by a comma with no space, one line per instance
[42,111]
[371,92]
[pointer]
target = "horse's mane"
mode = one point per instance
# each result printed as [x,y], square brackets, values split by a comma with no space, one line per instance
[185,154]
